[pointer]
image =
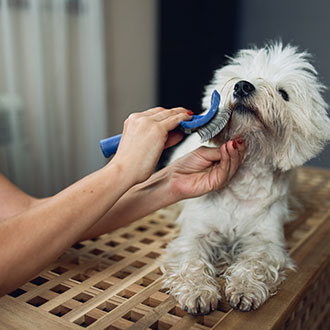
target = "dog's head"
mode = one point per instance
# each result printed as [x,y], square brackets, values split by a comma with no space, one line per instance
[277,105]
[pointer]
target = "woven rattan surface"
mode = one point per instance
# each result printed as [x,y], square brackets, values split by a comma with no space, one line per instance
[114,281]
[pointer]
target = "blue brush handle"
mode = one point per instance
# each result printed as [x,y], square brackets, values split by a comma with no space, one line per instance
[109,145]
[200,120]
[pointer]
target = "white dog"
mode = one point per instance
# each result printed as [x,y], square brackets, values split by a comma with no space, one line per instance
[237,231]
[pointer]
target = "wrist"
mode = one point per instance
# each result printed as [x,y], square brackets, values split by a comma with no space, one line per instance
[121,172]
[173,188]
[182,185]
[159,186]
[129,168]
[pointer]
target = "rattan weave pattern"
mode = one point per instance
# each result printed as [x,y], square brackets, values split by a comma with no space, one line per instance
[114,281]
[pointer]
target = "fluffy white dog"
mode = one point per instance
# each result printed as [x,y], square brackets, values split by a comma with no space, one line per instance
[237,232]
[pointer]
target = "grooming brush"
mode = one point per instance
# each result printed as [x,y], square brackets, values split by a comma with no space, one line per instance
[216,125]
[207,126]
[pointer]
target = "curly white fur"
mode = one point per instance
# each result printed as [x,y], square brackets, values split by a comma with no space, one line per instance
[237,232]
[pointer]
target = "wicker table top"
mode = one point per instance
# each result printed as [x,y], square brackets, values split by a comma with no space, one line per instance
[114,281]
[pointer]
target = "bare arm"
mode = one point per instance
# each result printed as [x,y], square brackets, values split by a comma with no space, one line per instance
[32,234]
[12,199]
[43,232]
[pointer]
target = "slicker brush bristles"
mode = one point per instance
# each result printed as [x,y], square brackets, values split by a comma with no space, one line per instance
[216,125]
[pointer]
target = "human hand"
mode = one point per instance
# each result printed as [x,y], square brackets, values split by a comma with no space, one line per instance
[144,137]
[206,169]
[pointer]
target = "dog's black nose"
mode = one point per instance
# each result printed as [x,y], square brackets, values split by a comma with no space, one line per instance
[243,89]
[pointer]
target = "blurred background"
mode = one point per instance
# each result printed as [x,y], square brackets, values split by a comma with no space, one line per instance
[72,70]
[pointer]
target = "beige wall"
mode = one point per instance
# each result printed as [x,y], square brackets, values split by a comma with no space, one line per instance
[130,34]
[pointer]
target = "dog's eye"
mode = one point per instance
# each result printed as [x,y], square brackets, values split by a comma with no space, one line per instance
[284,94]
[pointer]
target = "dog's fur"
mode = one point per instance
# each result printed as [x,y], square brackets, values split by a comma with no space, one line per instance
[237,232]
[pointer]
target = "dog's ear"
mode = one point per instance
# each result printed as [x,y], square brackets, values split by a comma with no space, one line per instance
[307,132]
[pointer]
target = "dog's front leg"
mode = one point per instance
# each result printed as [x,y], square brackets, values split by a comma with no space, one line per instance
[257,272]
[190,276]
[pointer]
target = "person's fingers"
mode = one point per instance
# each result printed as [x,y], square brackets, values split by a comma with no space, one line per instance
[159,113]
[240,147]
[171,114]
[235,155]
[173,139]
[225,159]
[209,154]
[158,118]
[173,121]
[223,168]
[153,111]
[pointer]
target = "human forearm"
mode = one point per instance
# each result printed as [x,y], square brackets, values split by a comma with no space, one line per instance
[40,231]
[13,200]
[142,199]
[33,238]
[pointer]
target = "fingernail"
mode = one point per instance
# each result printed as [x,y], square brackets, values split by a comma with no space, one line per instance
[190,113]
[239,140]
[234,144]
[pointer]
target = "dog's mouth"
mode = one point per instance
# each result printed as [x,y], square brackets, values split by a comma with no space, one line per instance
[243,109]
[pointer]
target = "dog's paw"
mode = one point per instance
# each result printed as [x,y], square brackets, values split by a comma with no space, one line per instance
[244,298]
[200,303]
